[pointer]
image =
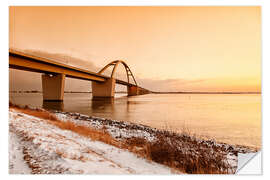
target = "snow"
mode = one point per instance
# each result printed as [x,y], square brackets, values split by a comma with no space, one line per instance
[17,165]
[48,149]
[122,130]
[114,131]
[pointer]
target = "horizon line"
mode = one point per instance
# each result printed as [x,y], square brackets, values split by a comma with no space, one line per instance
[154,92]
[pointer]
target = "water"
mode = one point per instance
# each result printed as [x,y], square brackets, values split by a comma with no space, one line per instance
[229,118]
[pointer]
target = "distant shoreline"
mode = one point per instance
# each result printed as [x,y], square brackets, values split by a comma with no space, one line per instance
[151,92]
[206,92]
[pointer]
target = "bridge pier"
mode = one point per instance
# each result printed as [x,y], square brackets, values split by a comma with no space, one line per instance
[104,89]
[135,90]
[53,87]
[132,90]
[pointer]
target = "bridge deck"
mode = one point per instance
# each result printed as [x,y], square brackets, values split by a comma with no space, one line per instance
[19,60]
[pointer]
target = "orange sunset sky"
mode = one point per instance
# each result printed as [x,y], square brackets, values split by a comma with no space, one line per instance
[167,48]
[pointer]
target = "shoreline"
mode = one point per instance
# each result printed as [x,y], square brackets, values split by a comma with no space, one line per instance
[136,126]
[122,92]
[181,152]
[39,145]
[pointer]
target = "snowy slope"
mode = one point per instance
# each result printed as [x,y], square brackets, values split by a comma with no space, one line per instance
[38,147]
[17,165]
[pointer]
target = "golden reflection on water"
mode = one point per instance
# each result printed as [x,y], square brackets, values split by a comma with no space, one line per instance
[230,118]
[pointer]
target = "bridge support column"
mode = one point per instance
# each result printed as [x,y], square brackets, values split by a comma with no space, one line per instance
[53,87]
[132,90]
[104,89]
[135,90]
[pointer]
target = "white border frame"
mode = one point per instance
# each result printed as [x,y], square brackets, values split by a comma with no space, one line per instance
[265,4]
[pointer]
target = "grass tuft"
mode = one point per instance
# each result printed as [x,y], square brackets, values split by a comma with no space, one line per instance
[181,152]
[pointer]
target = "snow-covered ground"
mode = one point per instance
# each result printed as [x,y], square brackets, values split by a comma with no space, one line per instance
[17,165]
[116,129]
[35,146]
[121,130]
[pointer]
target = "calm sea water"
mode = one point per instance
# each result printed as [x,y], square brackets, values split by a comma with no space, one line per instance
[229,118]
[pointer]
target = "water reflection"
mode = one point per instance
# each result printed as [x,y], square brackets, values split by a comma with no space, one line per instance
[106,104]
[230,118]
[53,105]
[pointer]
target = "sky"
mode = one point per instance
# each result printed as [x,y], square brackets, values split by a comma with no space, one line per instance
[205,49]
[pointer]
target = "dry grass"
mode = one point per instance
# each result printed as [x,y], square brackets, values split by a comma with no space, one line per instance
[168,152]
[34,112]
[94,134]
[181,153]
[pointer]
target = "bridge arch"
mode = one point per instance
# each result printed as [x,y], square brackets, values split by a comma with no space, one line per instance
[53,86]
[115,64]
[107,88]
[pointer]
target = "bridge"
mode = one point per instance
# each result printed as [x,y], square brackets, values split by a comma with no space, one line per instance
[54,73]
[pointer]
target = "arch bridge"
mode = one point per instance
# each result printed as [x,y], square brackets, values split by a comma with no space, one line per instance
[54,73]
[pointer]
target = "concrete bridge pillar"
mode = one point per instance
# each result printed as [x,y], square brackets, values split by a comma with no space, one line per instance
[104,89]
[132,90]
[53,87]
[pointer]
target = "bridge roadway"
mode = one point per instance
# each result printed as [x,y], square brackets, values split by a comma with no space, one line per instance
[22,61]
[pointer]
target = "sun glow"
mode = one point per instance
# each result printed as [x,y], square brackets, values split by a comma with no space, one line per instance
[201,48]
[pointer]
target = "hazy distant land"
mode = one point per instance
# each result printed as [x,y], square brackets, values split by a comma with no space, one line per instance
[168,92]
